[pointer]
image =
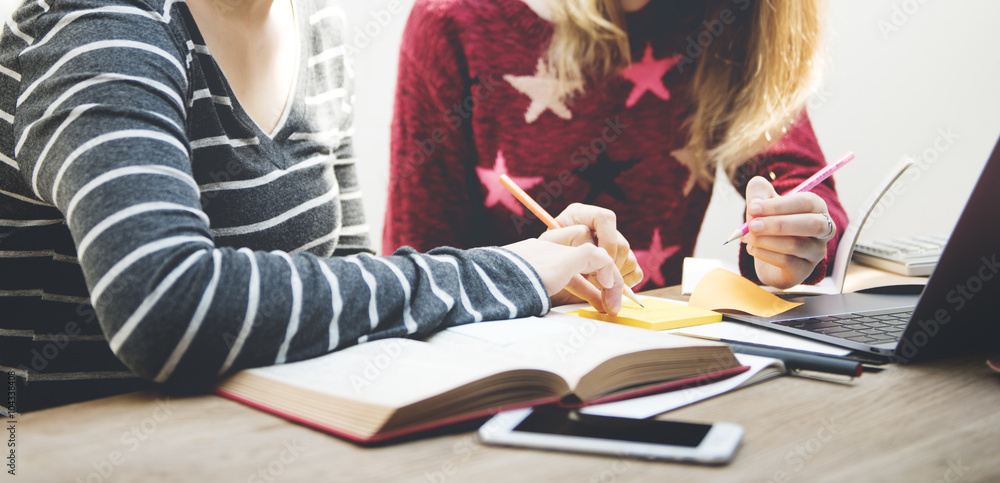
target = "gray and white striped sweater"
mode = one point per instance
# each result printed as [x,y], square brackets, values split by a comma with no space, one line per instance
[205,244]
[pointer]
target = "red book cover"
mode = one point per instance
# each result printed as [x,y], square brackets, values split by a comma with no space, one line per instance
[439,423]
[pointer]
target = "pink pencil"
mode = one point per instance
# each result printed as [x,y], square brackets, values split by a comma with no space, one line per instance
[804,186]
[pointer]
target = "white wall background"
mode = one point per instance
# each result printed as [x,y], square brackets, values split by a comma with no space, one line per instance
[900,73]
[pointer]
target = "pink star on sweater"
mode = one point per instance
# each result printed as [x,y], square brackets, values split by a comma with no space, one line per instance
[496,193]
[647,75]
[651,261]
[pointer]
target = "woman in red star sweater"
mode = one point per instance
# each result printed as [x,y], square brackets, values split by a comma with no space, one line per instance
[626,104]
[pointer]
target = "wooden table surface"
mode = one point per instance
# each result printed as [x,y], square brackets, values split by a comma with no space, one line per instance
[934,421]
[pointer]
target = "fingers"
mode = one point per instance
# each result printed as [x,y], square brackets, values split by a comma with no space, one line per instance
[577,235]
[805,202]
[808,249]
[758,190]
[779,269]
[571,235]
[604,225]
[589,259]
[787,234]
[797,214]
[596,262]
[586,291]
[812,225]
[630,270]
[560,267]
[784,261]
[619,249]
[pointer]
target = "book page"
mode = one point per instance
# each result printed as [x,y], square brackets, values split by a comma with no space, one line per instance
[388,372]
[861,277]
[567,345]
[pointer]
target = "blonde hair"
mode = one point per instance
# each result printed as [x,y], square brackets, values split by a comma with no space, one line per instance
[748,85]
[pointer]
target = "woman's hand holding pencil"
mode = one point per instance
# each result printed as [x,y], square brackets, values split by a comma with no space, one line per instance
[788,234]
[598,226]
[585,227]
[560,265]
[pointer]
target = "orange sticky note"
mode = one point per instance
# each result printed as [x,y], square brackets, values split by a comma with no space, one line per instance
[724,290]
[658,315]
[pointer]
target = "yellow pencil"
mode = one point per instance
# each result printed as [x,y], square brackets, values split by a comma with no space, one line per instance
[546,218]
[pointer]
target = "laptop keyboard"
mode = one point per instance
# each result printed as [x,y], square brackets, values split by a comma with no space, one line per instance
[875,327]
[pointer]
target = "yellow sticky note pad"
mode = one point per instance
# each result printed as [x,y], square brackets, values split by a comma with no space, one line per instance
[658,315]
[724,290]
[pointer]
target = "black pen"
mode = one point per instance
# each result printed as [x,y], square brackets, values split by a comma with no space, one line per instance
[795,360]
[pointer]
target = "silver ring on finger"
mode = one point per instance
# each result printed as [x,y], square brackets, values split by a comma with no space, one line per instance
[832,228]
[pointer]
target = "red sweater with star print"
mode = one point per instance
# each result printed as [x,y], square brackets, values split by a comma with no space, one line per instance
[473,101]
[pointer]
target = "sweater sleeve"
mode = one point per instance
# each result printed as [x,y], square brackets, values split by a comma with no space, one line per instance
[788,162]
[431,202]
[101,117]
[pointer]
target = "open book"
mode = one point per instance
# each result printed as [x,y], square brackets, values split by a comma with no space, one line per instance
[387,388]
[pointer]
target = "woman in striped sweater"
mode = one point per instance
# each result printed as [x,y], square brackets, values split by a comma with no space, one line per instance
[183,174]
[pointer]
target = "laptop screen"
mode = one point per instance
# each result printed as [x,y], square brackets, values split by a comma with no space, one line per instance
[959,311]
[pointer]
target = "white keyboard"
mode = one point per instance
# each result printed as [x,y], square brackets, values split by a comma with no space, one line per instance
[912,256]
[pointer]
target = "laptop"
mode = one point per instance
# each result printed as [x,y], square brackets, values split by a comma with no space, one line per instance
[957,313]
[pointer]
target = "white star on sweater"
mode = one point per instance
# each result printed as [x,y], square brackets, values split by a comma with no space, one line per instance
[543,89]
